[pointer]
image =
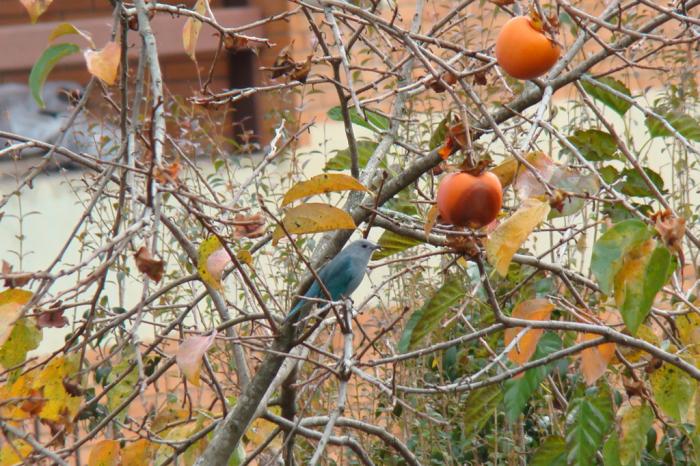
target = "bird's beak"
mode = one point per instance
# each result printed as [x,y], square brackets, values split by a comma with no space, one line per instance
[376,247]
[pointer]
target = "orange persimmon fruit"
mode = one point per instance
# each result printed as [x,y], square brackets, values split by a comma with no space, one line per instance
[523,50]
[468,200]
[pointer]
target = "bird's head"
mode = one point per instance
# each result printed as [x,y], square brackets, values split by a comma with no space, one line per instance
[362,247]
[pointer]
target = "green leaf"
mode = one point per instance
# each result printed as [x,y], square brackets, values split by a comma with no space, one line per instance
[478,408]
[594,145]
[393,243]
[611,451]
[635,185]
[589,419]
[636,421]
[125,386]
[552,452]
[424,320]
[44,65]
[686,125]
[341,160]
[518,391]
[673,391]
[641,287]
[606,97]
[609,174]
[611,248]
[379,121]
[24,337]
[437,139]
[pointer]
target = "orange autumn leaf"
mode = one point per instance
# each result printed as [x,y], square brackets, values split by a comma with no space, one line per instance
[595,360]
[105,453]
[167,174]
[431,220]
[532,309]
[104,63]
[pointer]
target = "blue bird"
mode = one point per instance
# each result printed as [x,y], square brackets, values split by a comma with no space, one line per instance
[342,275]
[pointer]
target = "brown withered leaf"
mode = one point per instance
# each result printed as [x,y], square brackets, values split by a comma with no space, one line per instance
[284,64]
[236,43]
[52,317]
[439,86]
[14,280]
[480,78]
[633,387]
[467,245]
[167,174]
[252,226]
[34,403]
[72,388]
[153,268]
[301,71]
[671,229]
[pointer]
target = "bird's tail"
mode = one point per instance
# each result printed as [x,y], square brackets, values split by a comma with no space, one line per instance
[295,309]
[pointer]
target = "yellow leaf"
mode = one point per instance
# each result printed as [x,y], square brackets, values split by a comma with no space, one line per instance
[507,170]
[635,355]
[633,269]
[105,453]
[104,63]
[24,337]
[190,32]
[190,355]
[137,453]
[11,303]
[60,405]
[65,29]
[245,257]
[532,309]
[689,331]
[169,414]
[260,430]
[211,260]
[512,233]
[313,218]
[36,8]
[430,220]
[21,390]
[321,184]
[9,453]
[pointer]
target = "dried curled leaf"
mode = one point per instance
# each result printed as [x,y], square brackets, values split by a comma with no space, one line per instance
[252,226]
[671,229]
[507,238]
[147,264]
[532,309]
[52,317]
[14,280]
[104,63]
[167,174]
[431,220]
[190,353]
[190,31]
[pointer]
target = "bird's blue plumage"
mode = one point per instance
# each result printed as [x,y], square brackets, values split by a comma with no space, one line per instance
[342,275]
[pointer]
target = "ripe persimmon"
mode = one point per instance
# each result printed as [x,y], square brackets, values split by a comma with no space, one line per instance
[469,200]
[523,50]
